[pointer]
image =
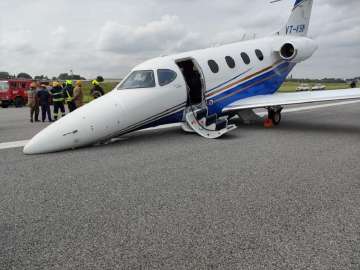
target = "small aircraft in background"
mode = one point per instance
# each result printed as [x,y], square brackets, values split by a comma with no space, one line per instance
[201,89]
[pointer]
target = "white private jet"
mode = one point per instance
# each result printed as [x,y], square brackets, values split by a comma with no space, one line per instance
[200,89]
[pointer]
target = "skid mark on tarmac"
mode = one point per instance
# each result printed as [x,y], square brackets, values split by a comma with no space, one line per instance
[18,144]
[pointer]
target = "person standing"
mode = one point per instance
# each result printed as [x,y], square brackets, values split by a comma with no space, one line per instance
[78,94]
[97,91]
[37,109]
[69,95]
[44,101]
[57,94]
[33,102]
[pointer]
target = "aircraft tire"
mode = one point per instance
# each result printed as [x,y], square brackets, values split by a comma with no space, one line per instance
[276,118]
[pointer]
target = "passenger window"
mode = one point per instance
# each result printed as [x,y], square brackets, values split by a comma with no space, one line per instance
[259,54]
[139,79]
[230,61]
[166,76]
[213,66]
[245,58]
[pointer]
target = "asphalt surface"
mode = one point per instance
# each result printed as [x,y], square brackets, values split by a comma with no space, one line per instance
[15,124]
[281,198]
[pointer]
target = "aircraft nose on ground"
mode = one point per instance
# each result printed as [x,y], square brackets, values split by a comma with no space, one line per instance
[89,124]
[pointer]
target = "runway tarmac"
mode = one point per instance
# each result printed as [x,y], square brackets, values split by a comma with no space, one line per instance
[281,198]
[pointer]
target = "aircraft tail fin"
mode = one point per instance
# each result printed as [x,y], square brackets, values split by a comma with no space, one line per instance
[298,23]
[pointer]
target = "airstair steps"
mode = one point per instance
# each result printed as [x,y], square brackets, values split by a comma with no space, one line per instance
[201,113]
[221,124]
[207,126]
[210,120]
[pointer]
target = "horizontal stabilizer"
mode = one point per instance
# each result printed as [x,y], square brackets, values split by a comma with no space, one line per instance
[282,99]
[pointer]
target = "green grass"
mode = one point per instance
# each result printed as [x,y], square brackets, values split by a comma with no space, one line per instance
[291,86]
[108,86]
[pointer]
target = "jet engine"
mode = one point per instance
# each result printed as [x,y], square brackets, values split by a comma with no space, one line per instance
[296,49]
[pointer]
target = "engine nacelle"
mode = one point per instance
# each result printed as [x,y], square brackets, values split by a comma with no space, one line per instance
[295,49]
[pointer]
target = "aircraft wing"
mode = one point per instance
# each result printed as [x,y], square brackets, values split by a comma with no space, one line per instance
[281,99]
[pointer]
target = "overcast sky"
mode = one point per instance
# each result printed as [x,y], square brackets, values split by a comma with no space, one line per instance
[109,37]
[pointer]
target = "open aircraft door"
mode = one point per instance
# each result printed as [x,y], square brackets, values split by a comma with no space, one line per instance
[197,116]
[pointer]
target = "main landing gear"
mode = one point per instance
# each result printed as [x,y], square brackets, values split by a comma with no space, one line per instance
[274,114]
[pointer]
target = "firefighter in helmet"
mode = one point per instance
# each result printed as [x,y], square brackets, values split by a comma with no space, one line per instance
[97,90]
[69,95]
[78,94]
[57,94]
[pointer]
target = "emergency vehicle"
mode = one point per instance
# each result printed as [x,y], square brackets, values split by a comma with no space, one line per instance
[14,91]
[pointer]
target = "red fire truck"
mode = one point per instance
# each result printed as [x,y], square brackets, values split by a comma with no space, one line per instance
[14,91]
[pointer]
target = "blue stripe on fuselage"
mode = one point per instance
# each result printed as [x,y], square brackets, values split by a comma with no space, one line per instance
[232,79]
[252,81]
[267,83]
[170,119]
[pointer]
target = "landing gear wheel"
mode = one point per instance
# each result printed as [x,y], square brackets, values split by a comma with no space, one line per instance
[275,116]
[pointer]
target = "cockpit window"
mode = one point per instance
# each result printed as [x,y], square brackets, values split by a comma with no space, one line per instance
[4,86]
[166,76]
[139,79]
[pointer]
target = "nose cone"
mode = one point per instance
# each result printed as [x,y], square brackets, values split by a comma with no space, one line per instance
[89,124]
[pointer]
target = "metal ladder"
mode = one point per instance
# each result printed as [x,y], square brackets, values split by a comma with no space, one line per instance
[207,126]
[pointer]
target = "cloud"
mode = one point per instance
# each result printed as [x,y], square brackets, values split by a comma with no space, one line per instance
[165,35]
[60,40]
[110,37]
[18,41]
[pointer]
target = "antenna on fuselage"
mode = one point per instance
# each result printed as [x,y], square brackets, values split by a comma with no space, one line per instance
[274,1]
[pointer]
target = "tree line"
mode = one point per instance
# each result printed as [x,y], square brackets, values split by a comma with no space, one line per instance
[23,75]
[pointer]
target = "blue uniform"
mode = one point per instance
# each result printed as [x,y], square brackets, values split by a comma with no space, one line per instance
[44,102]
